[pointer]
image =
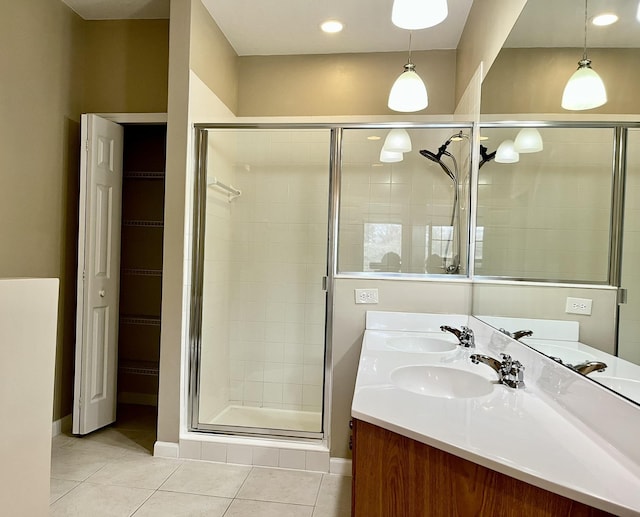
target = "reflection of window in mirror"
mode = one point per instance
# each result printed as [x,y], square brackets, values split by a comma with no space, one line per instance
[382,247]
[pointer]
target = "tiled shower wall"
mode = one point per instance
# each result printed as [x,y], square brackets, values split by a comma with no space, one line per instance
[414,194]
[547,216]
[278,239]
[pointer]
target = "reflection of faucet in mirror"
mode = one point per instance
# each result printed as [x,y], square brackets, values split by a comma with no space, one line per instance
[589,366]
[464,334]
[456,238]
[517,334]
[510,372]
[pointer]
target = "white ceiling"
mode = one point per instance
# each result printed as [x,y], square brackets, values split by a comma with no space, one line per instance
[267,27]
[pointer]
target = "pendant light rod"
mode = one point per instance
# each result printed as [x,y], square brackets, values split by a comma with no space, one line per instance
[584,48]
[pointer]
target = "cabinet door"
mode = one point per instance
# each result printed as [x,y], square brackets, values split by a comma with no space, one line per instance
[94,403]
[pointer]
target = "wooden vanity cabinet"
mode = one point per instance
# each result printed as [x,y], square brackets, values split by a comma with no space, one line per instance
[395,476]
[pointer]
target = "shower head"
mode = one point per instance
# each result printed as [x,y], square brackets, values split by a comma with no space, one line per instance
[436,158]
[484,157]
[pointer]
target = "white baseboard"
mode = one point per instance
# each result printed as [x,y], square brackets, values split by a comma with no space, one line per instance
[340,466]
[62,425]
[166,450]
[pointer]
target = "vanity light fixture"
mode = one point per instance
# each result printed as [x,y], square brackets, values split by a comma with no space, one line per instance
[506,153]
[418,14]
[397,141]
[585,89]
[528,140]
[332,26]
[390,156]
[408,93]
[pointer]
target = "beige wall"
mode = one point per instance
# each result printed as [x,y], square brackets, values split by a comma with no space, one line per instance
[545,302]
[212,57]
[487,27]
[39,130]
[532,80]
[125,66]
[339,84]
[50,76]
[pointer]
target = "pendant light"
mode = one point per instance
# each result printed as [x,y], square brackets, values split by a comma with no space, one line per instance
[397,141]
[528,140]
[506,153]
[418,14]
[390,156]
[408,93]
[585,89]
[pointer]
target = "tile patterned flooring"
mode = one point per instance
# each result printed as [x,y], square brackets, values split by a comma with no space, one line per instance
[112,473]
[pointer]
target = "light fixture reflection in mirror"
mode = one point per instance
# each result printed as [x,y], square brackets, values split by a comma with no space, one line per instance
[506,153]
[528,140]
[390,157]
[397,141]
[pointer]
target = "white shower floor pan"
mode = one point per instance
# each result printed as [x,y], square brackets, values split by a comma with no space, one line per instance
[269,418]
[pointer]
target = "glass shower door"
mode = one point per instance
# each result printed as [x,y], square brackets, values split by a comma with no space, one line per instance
[264,231]
[629,312]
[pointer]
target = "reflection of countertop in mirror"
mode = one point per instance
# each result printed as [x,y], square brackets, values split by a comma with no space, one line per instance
[527,434]
[560,339]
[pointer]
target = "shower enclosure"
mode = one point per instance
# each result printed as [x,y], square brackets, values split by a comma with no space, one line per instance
[278,213]
[258,324]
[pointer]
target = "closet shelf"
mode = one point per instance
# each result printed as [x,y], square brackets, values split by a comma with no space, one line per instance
[144,175]
[131,319]
[141,272]
[142,223]
[139,367]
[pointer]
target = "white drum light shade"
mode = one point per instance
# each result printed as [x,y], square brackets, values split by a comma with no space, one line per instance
[585,89]
[528,140]
[397,141]
[408,93]
[390,157]
[418,14]
[506,153]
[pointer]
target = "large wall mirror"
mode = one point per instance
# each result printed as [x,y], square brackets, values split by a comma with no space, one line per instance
[558,231]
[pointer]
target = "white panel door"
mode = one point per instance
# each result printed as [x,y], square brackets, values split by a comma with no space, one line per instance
[94,404]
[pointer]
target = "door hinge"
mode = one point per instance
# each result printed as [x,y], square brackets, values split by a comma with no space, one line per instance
[86,145]
[325,280]
[84,276]
[622,296]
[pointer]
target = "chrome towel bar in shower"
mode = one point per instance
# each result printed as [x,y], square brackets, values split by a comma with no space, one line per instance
[231,191]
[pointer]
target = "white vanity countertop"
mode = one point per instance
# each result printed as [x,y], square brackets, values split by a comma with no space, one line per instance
[521,433]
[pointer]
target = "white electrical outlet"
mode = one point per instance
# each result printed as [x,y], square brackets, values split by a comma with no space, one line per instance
[366,295]
[579,306]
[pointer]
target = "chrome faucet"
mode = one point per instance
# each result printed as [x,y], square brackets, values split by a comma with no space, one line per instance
[588,367]
[517,334]
[464,335]
[510,372]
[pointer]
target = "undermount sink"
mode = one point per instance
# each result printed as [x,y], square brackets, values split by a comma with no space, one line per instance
[627,387]
[420,344]
[439,381]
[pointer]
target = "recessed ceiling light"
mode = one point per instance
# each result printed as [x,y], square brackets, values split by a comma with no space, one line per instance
[332,26]
[604,19]
[373,137]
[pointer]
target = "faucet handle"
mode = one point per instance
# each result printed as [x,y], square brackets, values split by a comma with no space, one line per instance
[512,372]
